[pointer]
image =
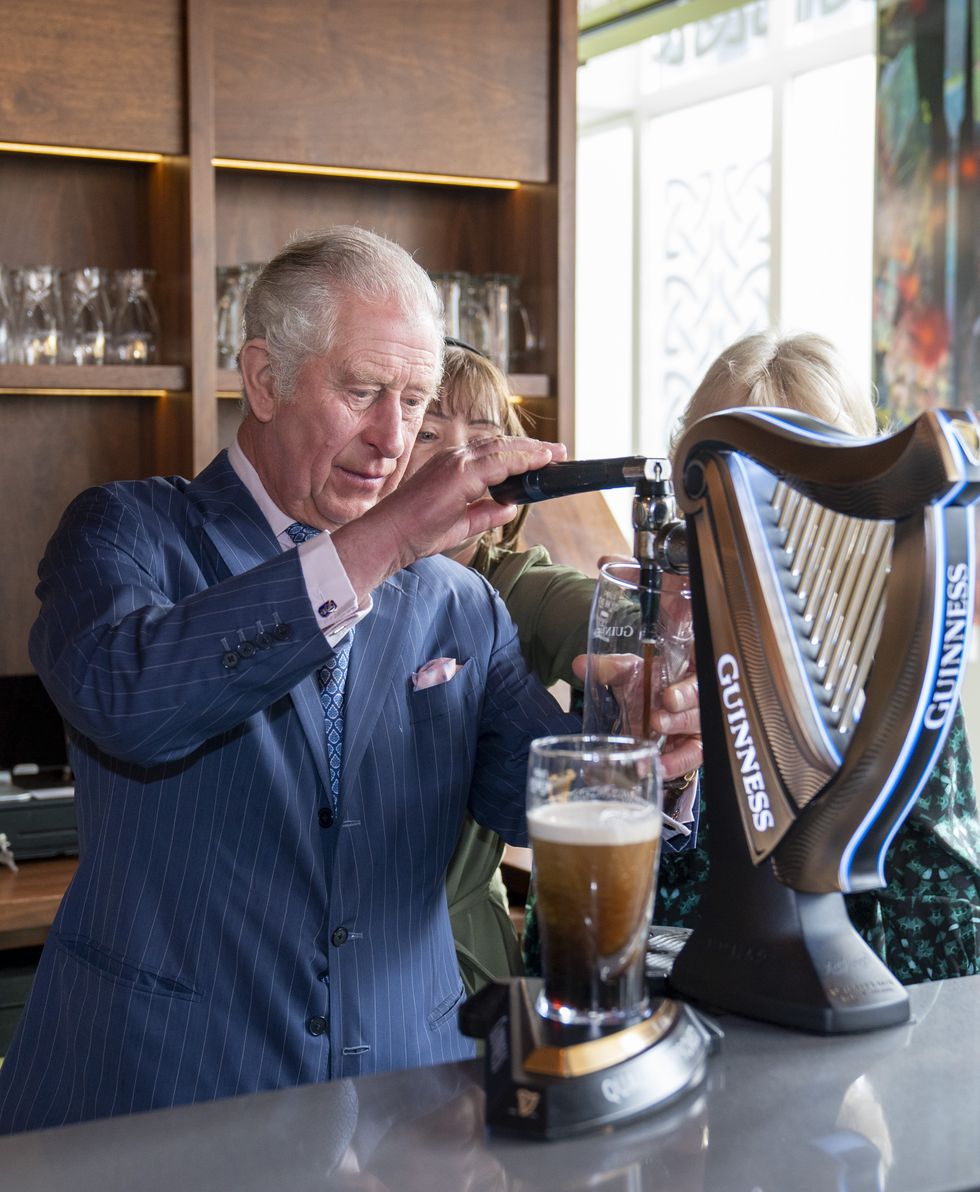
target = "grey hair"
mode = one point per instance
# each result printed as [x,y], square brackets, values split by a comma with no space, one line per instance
[801,372]
[294,302]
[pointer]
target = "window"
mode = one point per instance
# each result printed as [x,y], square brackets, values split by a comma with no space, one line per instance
[725,185]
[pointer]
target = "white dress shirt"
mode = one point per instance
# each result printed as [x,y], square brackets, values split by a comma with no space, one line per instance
[333,598]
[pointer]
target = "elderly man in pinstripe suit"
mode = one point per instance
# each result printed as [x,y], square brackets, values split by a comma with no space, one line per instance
[267,789]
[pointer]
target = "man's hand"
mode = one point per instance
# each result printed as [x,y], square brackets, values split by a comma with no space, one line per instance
[679,720]
[443,503]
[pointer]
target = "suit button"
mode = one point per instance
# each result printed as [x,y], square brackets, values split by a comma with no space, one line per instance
[263,641]
[282,632]
[247,649]
[325,816]
[229,660]
[339,937]
[317,1025]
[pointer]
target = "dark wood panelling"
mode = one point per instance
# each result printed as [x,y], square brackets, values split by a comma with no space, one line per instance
[445,227]
[479,231]
[50,449]
[70,212]
[169,255]
[459,88]
[93,73]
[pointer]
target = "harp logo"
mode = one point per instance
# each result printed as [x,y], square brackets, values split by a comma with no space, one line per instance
[753,783]
[954,646]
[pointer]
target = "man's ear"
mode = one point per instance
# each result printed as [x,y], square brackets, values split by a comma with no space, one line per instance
[257,380]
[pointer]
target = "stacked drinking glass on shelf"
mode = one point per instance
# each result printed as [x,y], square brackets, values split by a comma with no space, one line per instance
[88,315]
[233,285]
[484,311]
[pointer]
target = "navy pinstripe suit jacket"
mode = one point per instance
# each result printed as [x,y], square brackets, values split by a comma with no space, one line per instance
[217,939]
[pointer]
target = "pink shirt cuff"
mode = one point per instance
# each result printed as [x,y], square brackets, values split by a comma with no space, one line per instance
[333,598]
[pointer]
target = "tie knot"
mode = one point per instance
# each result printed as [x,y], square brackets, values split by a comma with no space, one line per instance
[301,532]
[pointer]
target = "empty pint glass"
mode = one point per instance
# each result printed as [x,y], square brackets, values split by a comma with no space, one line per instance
[594,818]
[626,672]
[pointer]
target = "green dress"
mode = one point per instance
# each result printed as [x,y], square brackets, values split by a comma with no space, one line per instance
[550,605]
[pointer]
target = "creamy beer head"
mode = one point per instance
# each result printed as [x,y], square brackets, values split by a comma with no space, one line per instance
[594,822]
[595,863]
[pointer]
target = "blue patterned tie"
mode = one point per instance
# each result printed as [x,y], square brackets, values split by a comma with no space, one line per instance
[332,679]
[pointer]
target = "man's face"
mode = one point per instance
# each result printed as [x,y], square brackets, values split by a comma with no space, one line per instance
[342,442]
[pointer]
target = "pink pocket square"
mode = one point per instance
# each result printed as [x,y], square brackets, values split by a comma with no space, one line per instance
[439,670]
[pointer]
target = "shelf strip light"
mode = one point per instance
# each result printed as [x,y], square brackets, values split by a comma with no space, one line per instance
[32,390]
[74,151]
[285,167]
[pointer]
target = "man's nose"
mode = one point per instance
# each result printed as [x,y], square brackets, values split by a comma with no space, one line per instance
[384,428]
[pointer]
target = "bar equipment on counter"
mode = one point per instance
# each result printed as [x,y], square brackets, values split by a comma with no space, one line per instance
[833,586]
[832,582]
[593,1043]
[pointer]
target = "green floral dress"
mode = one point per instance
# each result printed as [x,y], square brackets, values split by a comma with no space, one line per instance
[924,924]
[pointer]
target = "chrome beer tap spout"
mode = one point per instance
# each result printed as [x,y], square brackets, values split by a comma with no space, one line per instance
[659,538]
[659,542]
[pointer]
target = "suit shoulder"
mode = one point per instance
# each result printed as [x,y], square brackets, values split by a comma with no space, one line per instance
[440,573]
[150,492]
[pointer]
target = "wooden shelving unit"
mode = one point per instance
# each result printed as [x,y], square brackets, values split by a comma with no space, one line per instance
[152,380]
[482,91]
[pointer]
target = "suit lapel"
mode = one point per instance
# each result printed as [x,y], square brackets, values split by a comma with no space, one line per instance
[244,539]
[382,653]
[232,520]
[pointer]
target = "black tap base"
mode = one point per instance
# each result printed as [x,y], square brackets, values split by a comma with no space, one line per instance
[765,951]
[544,1080]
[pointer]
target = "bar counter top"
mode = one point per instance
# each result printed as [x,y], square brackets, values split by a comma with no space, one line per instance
[890,1110]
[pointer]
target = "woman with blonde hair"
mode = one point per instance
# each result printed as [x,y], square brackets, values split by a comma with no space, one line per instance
[802,372]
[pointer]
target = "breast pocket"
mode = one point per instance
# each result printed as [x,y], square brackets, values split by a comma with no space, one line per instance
[441,738]
[457,696]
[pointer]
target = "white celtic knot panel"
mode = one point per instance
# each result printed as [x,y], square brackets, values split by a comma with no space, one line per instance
[707,245]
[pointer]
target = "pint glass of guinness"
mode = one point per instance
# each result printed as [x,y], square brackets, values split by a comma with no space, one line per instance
[594,818]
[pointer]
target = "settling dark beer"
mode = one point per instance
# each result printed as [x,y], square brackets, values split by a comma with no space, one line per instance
[596,865]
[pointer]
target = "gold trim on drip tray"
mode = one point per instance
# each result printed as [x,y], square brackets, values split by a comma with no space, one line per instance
[581,1059]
